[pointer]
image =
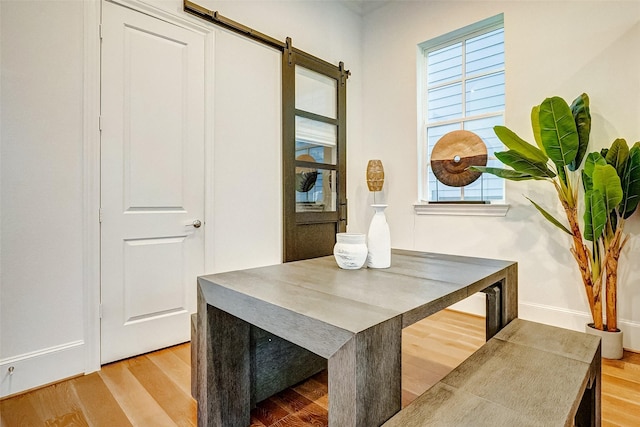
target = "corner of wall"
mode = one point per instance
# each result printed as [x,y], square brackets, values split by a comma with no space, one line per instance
[91,183]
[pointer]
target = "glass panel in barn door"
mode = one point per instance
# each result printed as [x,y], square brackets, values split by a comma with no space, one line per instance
[316,93]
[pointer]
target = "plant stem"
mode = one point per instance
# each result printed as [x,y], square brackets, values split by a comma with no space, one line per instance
[613,250]
[611,291]
[581,254]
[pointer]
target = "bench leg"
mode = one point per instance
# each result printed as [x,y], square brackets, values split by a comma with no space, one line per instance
[494,310]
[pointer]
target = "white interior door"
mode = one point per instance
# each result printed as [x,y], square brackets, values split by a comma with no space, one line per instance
[152,181]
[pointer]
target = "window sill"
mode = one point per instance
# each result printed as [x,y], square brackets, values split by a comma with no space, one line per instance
[461,209]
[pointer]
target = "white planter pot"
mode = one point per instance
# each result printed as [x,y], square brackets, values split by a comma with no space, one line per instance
[611,342]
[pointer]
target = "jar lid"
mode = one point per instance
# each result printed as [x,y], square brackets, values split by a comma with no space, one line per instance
[353,238]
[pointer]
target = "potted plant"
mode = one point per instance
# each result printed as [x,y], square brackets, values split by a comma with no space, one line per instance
[611,186]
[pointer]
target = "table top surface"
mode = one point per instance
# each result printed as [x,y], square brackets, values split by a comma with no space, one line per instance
[351,300]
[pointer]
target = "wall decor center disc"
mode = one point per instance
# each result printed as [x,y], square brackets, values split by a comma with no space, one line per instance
[454,153]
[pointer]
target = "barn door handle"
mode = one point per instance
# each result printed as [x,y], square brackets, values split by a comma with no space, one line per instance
[342,215]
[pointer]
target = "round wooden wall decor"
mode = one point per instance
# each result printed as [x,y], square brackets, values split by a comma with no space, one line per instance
[454,153]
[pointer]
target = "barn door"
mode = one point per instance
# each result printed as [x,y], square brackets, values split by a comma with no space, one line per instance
[314,154]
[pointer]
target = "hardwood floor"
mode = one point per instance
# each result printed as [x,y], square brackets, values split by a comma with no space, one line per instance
[154,389]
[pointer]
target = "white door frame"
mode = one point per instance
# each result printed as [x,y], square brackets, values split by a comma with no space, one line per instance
[91,157]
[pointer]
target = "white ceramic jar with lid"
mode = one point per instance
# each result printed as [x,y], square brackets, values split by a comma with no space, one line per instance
[350,250]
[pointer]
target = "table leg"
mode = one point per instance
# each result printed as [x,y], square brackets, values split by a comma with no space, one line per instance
[501,302]
[493,318]
[509,295]
[224,368]
[365,386]
[590,409]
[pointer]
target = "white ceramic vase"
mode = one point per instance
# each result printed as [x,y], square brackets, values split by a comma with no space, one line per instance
[379,240]
[610,342]
[350,250]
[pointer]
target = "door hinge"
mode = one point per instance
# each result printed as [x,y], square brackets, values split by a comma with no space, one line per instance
[100,311]
[100,215]
[100,29]
[100,123]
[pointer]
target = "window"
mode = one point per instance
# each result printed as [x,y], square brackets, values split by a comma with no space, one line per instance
[462,87]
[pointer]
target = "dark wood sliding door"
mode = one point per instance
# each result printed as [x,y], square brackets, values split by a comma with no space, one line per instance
[314,154]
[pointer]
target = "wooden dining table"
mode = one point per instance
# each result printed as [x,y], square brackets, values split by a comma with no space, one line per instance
[263,329]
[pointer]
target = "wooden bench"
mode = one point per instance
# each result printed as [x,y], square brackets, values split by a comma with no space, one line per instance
[529,374]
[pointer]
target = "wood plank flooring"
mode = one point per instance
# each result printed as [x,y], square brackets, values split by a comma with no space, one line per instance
[154,389]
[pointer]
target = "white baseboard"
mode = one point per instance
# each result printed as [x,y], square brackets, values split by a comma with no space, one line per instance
[562,317]
[38,368]
[577,320]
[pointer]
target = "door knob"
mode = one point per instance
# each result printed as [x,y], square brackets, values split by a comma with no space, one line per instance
[195,224]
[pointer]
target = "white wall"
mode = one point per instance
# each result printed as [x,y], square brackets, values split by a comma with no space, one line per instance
[41,293]
[247,168]
[552,48]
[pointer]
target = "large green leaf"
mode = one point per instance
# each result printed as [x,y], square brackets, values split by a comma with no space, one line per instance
[504,173]
[582,118]
[558,131]
[590,163]
[535,125]
[631,183]
[617,155]
[524,164]
[550,217]
[515,143]
[607,182]
[595,215]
